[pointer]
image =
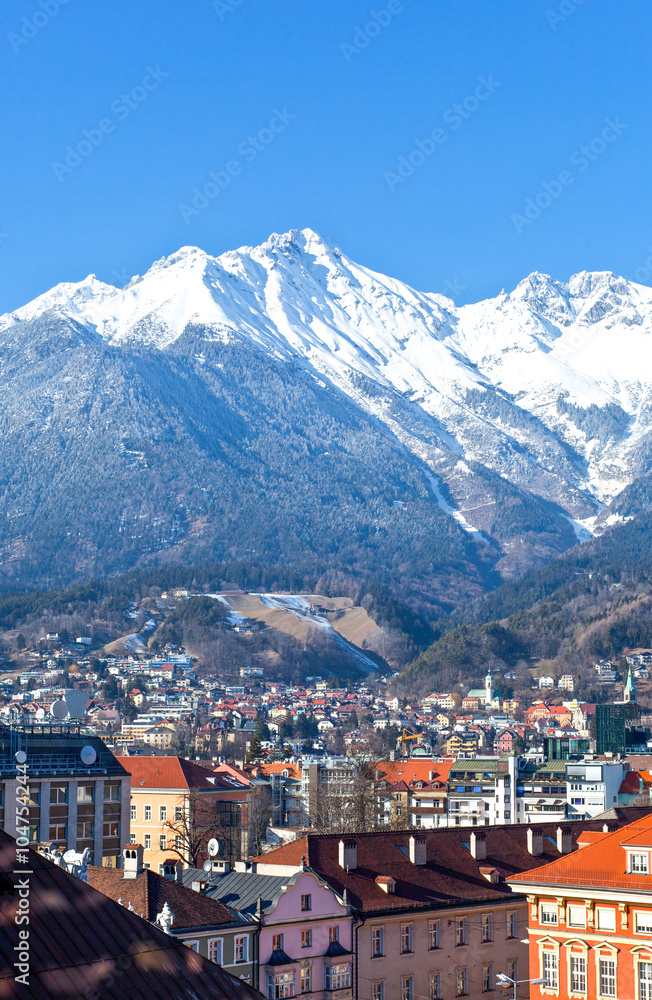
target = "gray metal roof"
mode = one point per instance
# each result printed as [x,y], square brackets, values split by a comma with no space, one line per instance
[241,890]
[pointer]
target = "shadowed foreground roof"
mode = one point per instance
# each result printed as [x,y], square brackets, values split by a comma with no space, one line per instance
[83,944]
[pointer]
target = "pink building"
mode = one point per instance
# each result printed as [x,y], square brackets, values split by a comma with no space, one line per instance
[305,942]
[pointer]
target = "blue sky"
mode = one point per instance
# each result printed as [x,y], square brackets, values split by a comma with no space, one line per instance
[167,97]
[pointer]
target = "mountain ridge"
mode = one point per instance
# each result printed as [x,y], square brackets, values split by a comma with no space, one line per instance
[515,418]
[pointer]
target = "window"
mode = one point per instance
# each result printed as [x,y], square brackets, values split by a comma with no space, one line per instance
[132,838]
[86,793]
[280,985]
[378,990]
[178,814]
[512,924]
[576,915]
[643,923]
[460,932]
[487,978]
[487,927]
[377,941]
[512,968]
[277,942]
[306,939]
[193,945]
[85,829]
[162,814]
[58,831]
[111,828]
[337,977]
[550,970]
[148,814]
[434,934]
[133,813]
[645,981]
[306,902]
[607,977]
[605,919]
[435,986]
[333,934]
[111,793]
[306,979]
[58,794]
[406,938]
[461,983]
[241,949]
[578,974]
[162,843]
[638,863]
[548,914]
[215,950]
[148,842]
[34,796]
[407,987]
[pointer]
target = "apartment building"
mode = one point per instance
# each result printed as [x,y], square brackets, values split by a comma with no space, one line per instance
[436,917]
[482,791]
[590,918]
[76,792]
[177,806]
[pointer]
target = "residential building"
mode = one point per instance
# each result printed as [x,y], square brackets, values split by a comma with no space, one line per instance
[177,806]
[618,729]
[77,793]
[305,942]
[590,917]
[565,747]
[436,917]
[593,786]
[207,926]
[482,791]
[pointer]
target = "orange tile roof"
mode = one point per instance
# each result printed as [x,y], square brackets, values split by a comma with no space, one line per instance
[414,769]
[166,772]
[278,768]
[601,864]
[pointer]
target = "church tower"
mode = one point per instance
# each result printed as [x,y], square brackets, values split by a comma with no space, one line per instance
[630,688]
[488,690]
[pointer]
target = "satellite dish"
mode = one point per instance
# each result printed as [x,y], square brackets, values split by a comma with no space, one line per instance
[213,847]
[88,755]
[59,710]
[21,757]
[76,701]
[40,713]
[207,866]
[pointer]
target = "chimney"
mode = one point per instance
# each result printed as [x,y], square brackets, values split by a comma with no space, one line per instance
[132,861]
[478,846]
[535,841]
[348,854]
[172,869]
[418,850]
[564,840]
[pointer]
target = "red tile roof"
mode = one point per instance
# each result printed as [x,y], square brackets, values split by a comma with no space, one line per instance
[451,875]
[149,891]
[414,769]
[167,772]
[602,864]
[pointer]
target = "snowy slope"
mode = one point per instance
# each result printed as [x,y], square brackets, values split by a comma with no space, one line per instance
[547,388]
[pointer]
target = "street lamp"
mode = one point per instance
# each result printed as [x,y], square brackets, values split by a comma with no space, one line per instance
[503,980]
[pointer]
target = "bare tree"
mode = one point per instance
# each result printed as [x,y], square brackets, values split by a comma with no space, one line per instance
[193,824]
[259,813]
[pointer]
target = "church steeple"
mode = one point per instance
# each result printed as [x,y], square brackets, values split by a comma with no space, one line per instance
[630,688]
[488,690]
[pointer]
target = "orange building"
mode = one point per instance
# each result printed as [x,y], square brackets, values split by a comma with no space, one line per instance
[176,806]
[590,918]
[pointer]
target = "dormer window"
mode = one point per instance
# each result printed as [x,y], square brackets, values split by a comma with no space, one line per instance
[639,863]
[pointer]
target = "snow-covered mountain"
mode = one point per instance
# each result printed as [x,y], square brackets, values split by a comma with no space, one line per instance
[523,417]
